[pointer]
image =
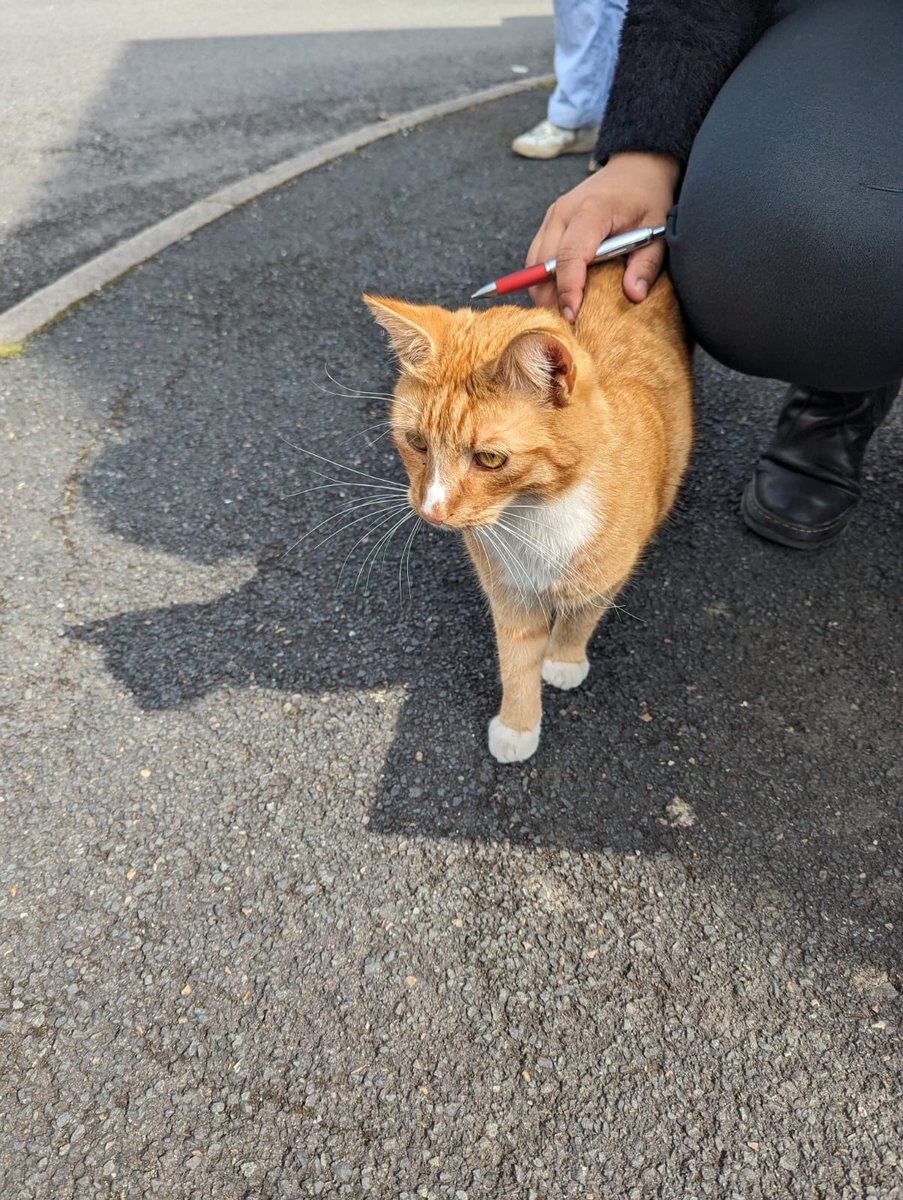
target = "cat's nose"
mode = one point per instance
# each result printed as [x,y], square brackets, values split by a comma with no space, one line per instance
[434,508]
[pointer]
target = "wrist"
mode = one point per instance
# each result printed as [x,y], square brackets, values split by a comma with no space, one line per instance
[665,168]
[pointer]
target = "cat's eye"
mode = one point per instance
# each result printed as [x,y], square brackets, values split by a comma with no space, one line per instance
[491,459]
[416,441]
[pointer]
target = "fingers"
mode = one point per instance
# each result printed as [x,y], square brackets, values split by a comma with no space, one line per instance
[630,192]
[570,276]
[570,233]
[643,268]
[542,248]
[578,242]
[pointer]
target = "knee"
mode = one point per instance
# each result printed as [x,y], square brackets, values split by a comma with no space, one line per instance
[778,280]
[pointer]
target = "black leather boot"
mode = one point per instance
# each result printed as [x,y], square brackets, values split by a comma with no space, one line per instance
[807,483]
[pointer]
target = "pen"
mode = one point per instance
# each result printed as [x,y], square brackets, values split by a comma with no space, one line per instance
[613,247]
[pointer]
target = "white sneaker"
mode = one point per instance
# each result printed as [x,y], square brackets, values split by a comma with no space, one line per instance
[548,140]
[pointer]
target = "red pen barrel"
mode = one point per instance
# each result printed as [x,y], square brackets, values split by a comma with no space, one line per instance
[526,278]
[613,247]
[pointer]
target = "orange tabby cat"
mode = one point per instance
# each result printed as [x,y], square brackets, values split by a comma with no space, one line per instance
[557,450]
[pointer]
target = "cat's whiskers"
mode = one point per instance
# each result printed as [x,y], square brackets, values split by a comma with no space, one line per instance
[386,483]
[332,517]
[534,508]
[570,575]
[567,573]
[371,441]
[556,563]
[384,540]
[506,553]
[385,433]
[391,507]
[587,595]
[386,426]
[389,483]
[405,561]
[519,509]
[485,531]
[556,568]
[350,392]
[340,466]
[374,425]
[383,519]
[392,520]
[388,499]
[373,505]
[487,557]
[343,483]
[525,575]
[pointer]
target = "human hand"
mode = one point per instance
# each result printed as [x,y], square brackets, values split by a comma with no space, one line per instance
[630,192]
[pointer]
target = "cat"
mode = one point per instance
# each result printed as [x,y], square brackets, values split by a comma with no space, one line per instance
[557,450]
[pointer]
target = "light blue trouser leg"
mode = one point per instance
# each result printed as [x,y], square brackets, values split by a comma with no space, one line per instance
[586,51]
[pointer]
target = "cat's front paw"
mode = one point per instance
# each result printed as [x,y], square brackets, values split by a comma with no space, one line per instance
[564,675]
[511,745]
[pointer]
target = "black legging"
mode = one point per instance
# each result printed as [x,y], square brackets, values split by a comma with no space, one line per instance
[786,247]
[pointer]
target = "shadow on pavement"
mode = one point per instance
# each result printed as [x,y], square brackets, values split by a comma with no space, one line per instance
[758,686]
[177,118]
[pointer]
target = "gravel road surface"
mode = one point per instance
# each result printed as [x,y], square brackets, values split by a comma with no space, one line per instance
[274,923]
[119,114]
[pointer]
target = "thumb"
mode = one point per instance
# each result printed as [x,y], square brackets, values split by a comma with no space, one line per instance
[643,268]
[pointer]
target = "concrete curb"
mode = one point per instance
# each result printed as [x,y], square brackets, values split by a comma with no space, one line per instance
[45,305]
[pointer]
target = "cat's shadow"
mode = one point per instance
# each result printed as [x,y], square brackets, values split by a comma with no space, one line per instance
[756,684]
[750,682]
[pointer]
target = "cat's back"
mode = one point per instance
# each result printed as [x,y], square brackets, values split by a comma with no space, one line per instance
[642,358]
[618,331]
[646,342]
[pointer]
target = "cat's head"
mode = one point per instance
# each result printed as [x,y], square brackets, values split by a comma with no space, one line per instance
[487,406]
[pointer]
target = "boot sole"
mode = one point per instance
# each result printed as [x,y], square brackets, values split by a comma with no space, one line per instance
[775,530]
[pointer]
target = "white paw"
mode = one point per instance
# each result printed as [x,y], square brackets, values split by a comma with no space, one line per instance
[564,675]
[511,745]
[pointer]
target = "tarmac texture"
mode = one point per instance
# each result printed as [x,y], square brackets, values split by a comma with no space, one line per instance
[118,115]
[275,923]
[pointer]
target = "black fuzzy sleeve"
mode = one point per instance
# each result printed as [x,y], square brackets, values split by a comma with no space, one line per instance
[674,57]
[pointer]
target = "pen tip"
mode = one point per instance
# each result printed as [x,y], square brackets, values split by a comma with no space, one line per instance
[487,290]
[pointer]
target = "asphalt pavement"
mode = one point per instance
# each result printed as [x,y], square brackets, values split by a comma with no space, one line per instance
[118,115]
[274,922]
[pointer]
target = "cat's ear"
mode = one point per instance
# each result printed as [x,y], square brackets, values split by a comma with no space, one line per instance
[408,327]
[540,363]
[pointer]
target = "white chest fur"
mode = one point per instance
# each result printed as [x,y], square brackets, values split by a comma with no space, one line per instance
[538,540]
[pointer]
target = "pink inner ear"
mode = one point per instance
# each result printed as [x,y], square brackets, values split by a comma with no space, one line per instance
[560,363]
[536,361]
